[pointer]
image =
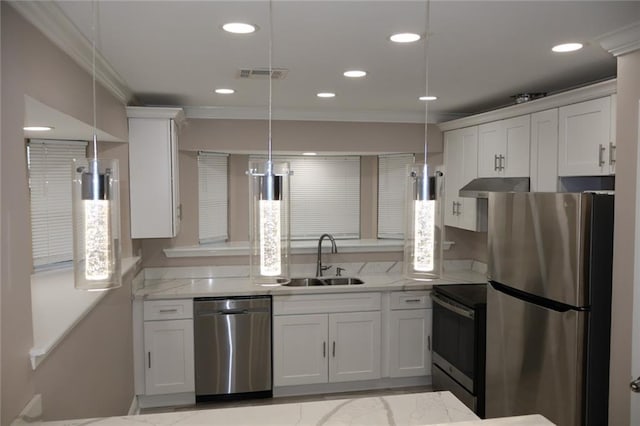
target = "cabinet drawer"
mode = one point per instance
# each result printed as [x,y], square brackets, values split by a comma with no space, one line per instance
[410,300]
[326,303]
[168,309]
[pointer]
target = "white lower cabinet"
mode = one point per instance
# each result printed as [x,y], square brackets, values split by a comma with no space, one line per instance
[324,348]
[326,345]
[168,347]
[410,334]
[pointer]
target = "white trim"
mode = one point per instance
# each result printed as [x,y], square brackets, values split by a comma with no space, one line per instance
[134,408]
[259,113]
[621,41]
[322,388]
[598,90]
[49,18]
[31,413]
[177,399]
[176,114]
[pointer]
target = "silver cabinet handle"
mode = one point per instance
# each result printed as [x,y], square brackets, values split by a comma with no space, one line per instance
[612,154]
[412,300]
[495,162]
[149,357]
[458,213]
[167,311]
[601,150]
[324,349]
[635,385]
[501,162]
[453,208]
[429,342]
[334,349]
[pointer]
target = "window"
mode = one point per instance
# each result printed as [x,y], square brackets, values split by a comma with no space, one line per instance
[212,197]
[391,194]
[325,196]
[49,164]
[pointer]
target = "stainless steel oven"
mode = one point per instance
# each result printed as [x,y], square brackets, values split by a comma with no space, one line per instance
[459,333]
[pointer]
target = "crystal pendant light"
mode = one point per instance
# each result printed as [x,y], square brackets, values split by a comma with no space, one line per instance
[96,212]
[269,210]
[423,223]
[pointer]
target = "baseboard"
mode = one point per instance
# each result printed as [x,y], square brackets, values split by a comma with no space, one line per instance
[31,413]
[134,408]
[174,399]
[320,388]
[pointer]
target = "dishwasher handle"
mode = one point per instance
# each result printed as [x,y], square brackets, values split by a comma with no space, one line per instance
[233,312]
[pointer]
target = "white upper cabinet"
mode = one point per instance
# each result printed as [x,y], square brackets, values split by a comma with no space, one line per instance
[544,151]
[586,144]
[461,166]
[153,172]
[503,148]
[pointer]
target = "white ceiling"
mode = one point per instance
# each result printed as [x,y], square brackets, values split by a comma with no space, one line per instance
[480,53]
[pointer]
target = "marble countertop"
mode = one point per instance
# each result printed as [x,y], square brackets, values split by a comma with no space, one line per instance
[430,408]
[172,288]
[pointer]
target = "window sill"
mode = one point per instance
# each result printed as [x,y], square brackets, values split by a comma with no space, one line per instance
[56,307]
[241,248]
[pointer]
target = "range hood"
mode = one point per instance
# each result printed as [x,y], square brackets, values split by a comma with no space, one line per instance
[481,187]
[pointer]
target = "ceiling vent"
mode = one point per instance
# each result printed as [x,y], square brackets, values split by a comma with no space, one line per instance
[276,73]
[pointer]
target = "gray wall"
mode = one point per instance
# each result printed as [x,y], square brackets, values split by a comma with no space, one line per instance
[90,372]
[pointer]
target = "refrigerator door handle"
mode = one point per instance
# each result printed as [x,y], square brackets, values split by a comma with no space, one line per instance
[536,300]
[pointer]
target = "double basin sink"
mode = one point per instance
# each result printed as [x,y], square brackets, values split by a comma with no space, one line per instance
[321,281]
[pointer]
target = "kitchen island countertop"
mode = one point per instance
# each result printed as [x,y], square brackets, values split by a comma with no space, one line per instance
[430,408]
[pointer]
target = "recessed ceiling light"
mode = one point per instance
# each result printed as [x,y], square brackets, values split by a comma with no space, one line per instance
[355,73]
[310,153]
[37,128]
[428,98]
[239,28]
[405,37]
[567,47]
[225,91]
[326,95]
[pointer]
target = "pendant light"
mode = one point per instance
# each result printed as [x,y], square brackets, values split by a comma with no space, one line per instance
[96,211]
[269,209]
[423,224]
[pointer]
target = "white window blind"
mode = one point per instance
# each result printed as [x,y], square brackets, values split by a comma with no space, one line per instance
[50,166]
[392,170]
[325,196]
[212,197]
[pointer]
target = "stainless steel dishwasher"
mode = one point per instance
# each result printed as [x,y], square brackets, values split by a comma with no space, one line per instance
[232,347]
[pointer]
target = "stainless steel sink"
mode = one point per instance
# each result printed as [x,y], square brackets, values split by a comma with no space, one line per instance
[308,282]
[305,282]
[342,281]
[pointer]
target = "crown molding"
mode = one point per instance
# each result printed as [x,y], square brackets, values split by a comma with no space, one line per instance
[54,24]
[598,90]
[260,113]
[621,41]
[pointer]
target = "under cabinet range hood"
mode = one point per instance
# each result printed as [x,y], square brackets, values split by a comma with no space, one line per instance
[481,187]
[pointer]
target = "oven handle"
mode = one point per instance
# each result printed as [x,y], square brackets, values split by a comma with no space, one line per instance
[468,313]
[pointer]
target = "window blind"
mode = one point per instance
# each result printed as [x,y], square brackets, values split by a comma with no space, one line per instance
[325,196]
[392,170]
[212,197]
[49,164]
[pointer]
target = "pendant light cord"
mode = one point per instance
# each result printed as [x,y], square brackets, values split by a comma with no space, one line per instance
[426,80]
[270,71]
[94,5]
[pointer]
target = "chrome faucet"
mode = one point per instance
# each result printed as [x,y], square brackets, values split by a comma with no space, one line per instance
[334,249]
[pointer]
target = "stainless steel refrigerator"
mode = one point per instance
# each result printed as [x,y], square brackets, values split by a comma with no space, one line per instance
[549,306]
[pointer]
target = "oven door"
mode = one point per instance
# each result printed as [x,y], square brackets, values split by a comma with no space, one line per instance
[454,340]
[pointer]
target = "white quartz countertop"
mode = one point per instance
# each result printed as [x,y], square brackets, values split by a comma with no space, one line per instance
[407,409]
[172,288]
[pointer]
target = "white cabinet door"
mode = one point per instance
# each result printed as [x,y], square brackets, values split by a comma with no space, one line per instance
[544,151]
[584,144]
[300,349]
[354,346]
[490,149]
[409,343]
[153,172]
[503,148]
[515,157]
[169,357]
[461,167]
